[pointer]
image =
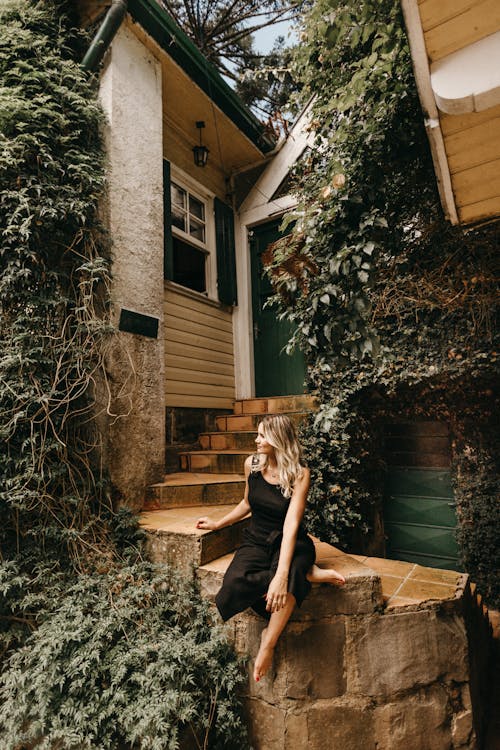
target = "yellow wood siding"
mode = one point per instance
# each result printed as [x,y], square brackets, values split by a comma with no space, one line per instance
[199,357]
[472,143]
[450,25]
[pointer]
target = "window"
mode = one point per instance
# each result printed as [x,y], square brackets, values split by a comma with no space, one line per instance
[189,234]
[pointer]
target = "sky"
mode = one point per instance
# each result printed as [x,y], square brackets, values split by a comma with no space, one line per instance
[264,39]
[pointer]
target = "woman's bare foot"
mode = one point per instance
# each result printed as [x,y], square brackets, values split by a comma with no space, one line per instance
[325,575]
[264,657]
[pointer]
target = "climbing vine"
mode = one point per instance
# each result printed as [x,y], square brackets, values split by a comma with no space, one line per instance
[53,286]
[393,307]
[98,648]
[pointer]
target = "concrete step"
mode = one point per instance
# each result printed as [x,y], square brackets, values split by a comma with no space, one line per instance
[220,462]
[250,422]
[172,537]
[186,489]
[221,441]
[275,404]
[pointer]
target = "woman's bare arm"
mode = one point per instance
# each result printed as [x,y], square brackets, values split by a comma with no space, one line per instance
[241,510]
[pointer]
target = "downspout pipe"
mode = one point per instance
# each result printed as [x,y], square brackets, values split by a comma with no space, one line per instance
[105,35]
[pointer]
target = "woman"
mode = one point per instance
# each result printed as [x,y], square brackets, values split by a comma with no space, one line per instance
[274,567]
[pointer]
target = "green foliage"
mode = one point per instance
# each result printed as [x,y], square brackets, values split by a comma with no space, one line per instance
[129,659]
[54,276]
[99,650]
[390,303]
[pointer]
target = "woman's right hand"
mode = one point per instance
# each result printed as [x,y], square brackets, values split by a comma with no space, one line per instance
[206,523]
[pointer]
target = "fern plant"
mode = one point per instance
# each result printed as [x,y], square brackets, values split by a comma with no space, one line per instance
[126,659]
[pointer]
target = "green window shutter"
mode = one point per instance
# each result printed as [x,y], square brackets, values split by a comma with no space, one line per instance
[226,255]
[168,250]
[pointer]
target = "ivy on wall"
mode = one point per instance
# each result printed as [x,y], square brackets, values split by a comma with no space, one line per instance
[393,307]
[53,285]
[98,648]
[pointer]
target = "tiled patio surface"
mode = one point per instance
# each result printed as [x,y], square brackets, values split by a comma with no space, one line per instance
[404,584]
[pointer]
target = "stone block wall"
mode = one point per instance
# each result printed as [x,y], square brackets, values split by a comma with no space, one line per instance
[350,673]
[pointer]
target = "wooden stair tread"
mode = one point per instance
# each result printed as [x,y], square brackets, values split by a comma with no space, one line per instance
[185,478]
[214,451]
[221,433]
[265,414]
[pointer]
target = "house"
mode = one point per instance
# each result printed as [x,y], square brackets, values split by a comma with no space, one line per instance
[188,292]
[187,287]
[194,341]
[455,49]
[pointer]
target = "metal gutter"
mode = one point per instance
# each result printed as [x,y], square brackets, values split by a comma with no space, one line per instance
[163,29]
[428,102]
[105,35]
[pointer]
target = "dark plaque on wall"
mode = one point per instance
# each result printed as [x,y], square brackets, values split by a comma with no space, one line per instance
[142,325]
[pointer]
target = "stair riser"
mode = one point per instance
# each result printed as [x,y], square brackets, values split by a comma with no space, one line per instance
[250,421]
[218,463]
[228,441]
[184,551]
[167,496]
[275,405]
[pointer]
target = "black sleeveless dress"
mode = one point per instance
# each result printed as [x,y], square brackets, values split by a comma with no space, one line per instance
[255,562]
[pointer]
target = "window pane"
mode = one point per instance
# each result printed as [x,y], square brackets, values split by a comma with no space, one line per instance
[178,217]
[196,208]
[197,230]
[189,266]
[178,196]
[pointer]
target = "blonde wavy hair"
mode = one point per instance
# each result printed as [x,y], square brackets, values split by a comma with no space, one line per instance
[279,432]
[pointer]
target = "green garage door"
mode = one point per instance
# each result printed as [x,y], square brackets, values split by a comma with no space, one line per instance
[419,509]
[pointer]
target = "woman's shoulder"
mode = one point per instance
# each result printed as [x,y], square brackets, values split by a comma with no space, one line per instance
[253,463]
[305,475]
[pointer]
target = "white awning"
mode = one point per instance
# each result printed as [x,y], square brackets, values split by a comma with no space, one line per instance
[468,80]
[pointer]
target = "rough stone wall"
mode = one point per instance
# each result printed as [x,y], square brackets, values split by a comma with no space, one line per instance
[131,93]
[372,682]
[349,674]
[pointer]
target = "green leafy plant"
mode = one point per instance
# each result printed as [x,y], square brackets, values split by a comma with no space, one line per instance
[98,648]
[129,658]
[394,308]
[54,282]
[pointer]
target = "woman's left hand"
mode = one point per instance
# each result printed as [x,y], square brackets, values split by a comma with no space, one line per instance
[277,593]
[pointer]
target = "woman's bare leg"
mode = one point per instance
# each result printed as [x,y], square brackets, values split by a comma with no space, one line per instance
[269,637]
[325,575]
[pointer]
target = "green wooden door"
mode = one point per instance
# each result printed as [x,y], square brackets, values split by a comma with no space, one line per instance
[419,509]
[276,372]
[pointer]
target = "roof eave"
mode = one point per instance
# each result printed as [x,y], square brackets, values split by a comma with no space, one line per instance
[162,28]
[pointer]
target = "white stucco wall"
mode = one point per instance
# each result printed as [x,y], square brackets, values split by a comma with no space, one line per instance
[131,93]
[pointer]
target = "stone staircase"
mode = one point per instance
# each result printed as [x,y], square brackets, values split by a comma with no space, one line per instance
[211,482]
[395,659]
